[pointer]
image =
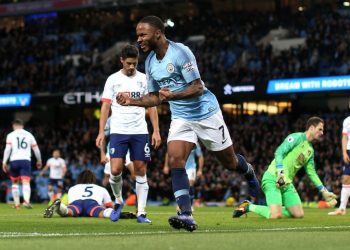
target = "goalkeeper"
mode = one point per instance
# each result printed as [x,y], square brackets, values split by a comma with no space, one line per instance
[295,152]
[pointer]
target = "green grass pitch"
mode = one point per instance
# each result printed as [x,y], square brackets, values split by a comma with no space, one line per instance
[27,229]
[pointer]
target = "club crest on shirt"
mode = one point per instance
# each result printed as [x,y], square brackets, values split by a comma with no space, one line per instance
[116,86]
[170,68]
[301,157]
[139,84]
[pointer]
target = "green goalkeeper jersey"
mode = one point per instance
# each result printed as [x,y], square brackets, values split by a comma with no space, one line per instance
[294,153]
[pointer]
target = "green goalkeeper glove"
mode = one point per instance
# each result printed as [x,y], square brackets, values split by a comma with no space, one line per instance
[329,197]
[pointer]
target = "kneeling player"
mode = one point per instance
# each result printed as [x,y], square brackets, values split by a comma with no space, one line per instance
[294,153]
[85,199]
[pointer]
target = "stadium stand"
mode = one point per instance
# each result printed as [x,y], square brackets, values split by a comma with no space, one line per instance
[65,51]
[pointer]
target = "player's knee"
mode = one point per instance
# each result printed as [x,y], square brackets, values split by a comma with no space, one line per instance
[25,182]
[229,162]
[234,164]
[346,179]
[276,215]
[116,171]
[176,162]
[298,215]
[140,170]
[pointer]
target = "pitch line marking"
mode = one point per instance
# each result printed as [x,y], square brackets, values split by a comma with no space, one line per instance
[36,234]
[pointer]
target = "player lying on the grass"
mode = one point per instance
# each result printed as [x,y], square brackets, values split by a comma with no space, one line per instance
[295,152]
[85,199]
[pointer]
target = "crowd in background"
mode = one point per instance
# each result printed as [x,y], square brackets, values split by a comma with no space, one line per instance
[64,52]
[256,137]
[68,47]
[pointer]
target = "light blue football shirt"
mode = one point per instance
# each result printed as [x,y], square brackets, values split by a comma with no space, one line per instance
[191,160]
[176,71]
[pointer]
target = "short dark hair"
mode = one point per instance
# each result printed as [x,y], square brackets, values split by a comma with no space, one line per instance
[86,177]
[17,122]
[313,121]
[154,21]
[129,51]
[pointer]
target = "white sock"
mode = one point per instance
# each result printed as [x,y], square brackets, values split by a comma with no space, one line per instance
[107,212]
[26,192]
[15,194]
[63,210]
[344,196]
[141,194]
[116,183]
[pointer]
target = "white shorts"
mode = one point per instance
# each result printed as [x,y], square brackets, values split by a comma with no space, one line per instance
[107,169]
[191,174]
[212,132]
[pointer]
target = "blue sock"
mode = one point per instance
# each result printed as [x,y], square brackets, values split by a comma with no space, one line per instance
[244,168]
[181,187]
[192,194]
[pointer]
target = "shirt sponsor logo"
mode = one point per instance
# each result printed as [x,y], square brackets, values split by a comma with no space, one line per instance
[211,109]
[132,94]
[169,82]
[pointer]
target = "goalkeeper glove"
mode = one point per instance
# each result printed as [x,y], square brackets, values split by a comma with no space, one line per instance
[329,197]
[280,176]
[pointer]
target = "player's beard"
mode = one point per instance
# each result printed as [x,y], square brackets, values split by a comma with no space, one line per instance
[152,45]
[130,72]
[148,46]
